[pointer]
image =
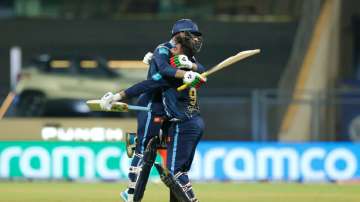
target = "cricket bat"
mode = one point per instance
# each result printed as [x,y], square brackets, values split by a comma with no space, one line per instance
[227,62]
[94,105]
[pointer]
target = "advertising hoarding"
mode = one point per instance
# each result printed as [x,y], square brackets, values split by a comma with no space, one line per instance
[221,161]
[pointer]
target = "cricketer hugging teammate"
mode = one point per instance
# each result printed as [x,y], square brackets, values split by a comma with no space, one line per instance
[172,113]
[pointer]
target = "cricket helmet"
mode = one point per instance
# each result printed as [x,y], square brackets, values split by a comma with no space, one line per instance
[185,25]
[192,34]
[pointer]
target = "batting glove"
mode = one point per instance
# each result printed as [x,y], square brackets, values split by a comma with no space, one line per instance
[147,58]
[181,61]
[107,100]
[193,79]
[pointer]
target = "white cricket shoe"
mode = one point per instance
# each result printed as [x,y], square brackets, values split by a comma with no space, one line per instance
[126,197]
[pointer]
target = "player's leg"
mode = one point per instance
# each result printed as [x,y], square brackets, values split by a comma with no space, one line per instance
[178,184]
[134,169]
[149,155]
[199,123]
[184,138]
[179,192]
[167,177]
[185,166]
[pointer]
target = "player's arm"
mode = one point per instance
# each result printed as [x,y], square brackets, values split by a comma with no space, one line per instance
[193,77]
[145,86]
[133,91]
[198,67]
[161,57]
[190,78]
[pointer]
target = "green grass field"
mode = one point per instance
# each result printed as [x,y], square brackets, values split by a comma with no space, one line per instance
[206,192]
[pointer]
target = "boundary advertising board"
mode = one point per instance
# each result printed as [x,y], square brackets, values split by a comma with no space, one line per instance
[235,161]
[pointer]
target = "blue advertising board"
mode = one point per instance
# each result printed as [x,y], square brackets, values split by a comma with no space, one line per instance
[276,161]
[221,161]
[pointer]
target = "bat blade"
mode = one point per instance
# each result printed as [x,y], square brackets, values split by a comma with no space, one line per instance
[227,62]
[94,105]
[231,60]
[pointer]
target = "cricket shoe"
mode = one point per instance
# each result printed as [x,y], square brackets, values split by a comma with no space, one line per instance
[126,197]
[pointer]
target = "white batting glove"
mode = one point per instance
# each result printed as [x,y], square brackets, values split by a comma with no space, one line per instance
[191,77]
[185,62]
[181,61]
[107,100]
[147,58]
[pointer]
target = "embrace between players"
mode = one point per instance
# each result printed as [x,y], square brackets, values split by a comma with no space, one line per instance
[174,113]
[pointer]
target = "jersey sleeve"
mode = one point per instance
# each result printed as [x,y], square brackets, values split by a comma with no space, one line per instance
[161,57]
[200,68]
[145,86]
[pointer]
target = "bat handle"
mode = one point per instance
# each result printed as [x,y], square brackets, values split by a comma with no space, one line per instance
[138,108]
[186,85]
[182,87]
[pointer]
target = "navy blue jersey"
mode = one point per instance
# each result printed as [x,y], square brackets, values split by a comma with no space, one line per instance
[160,87]
[177,105]
[159,67]
[180,105]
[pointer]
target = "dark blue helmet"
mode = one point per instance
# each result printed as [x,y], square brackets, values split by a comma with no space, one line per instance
[185,25]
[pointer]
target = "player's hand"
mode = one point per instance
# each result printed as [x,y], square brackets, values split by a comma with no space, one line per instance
[194,79]
[147,58]
[107,100]
[181,61]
